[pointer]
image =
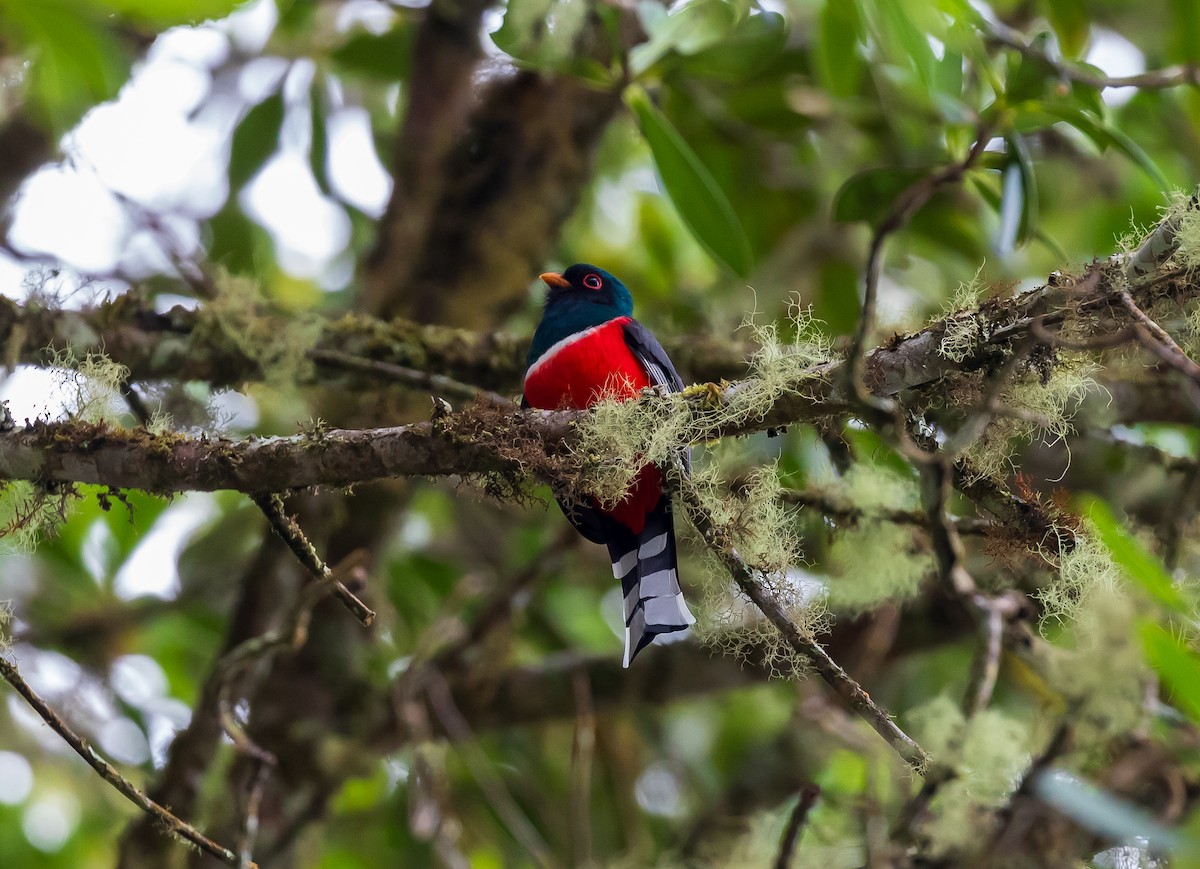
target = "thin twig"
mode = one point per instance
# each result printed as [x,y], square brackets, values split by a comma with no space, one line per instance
[1155,79]
[936,478]
[990,407]
[911,200]
[163,817]
[248,832]
[1096,342]
[985,670]
[851,693]
[1158,341]
[904,829]
[414,377]
[1181,361]
[291,533]
[842,511]
[795,825]
[990,611]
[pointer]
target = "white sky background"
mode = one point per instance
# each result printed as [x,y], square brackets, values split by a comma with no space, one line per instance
[161,148]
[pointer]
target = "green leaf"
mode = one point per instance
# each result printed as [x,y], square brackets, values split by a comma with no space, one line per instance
[903,41]
[837,302]
[1025,204]
[385,56]
[700,201]
[76,60]
[1072,25]
[254,140]
[1105,136]
[237,242]
[543,34]
[688,30]
[1097,810]
[1177,666]
[753,46]
[1029,75]
[1146,570]
[869,194]
[166,13]
[986,186]
[1185,14]
[839,61]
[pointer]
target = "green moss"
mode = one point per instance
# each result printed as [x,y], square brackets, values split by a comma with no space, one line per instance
[236,317]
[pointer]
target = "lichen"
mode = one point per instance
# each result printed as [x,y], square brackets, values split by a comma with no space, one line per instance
[961,321]
[628,434]
[779,367]
[873,562]
[1096,662]
[1036,404]
[92,385]
[988,754]
[29,513]
[762,531]
[6,616]
[1186,210]
[872,559]
[1086,567]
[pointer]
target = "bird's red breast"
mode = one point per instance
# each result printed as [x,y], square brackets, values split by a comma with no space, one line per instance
[585,367]
[579,371]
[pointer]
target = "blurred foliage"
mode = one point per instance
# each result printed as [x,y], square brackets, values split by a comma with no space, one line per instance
[762,143]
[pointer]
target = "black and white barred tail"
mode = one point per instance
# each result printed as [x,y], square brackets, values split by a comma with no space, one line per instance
[646,565]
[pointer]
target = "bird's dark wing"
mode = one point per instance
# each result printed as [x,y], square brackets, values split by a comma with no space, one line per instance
[653,357]
[587,520]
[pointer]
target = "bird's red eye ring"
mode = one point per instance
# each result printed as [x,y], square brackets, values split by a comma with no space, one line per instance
[593,282]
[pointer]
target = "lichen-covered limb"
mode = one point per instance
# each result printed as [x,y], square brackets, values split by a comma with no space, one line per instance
[846,688]
[163,817]
[188,345]
[96,453]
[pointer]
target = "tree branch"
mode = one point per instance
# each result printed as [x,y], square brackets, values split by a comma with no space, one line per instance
[162,816]
[806,647]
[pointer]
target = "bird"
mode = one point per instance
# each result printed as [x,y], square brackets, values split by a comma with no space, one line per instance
[587,348]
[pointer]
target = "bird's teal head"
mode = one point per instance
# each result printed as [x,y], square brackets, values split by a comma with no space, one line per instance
[581,297]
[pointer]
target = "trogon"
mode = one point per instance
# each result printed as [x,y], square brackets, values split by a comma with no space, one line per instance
[587,348]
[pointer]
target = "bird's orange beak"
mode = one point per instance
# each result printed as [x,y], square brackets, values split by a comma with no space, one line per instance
[554,280]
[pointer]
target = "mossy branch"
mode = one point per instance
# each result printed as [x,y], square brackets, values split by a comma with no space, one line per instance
[181,344]
[805,646]
[185,345]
